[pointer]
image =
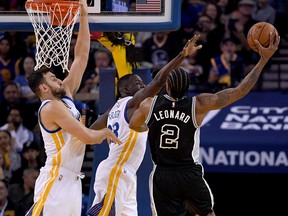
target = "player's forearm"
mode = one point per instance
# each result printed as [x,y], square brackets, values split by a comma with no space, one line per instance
[98,136]
[82,46]
[101,122]
[97,126]
[230,95]
[81,133]
[87,136]
[250,80]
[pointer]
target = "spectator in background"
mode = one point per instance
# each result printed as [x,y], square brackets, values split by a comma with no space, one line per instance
[7,63]
[26,67]
[222,4]
[217,29]
[199,5]
[20,134]
[203,57]
[227,69]
[31,44]
[189,15]
[7,207]
[18,45]
[102,58]
[12,98]
[159,49]
[3,170]
[238,27]
[21,194]
[140,37]
[281,7]
[189,18]
[264,12]
[11,157]
[194,69]
[31,158]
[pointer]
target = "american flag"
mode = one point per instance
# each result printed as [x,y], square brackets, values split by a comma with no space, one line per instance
[148,5]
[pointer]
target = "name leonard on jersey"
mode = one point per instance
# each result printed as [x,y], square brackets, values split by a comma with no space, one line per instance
[181,116]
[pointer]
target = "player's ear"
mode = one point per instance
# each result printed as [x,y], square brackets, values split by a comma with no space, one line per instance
[43,87]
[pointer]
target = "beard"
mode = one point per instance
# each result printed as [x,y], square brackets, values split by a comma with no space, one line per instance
[16,124]
[58,93]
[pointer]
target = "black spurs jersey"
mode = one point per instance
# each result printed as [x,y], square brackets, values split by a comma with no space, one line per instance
[173,132]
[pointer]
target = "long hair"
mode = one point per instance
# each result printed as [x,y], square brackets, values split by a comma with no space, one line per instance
[178,81]
[21,63]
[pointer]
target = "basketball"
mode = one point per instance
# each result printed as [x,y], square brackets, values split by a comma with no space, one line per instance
[260,31]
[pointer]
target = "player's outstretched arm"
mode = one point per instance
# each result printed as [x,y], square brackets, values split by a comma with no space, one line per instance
[81,52]
[159,80]
[103,134]
[55,115]
[206,102]
[101,121]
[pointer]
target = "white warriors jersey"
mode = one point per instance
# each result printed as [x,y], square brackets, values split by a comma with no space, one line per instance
[63,149]
[132,149]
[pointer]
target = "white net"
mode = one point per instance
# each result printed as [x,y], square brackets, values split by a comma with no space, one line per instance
[53,25]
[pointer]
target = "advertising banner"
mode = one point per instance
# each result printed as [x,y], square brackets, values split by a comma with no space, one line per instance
[250,135]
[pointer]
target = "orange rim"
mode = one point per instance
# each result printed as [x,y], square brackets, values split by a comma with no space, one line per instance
[43,5]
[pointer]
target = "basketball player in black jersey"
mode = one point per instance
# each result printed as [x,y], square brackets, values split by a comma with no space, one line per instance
[118,188]
[174,121]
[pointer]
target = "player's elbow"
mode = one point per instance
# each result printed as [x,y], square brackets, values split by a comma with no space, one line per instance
[133,126]
[137,128]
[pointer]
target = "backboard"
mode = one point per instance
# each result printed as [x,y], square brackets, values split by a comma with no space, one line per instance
[113,16]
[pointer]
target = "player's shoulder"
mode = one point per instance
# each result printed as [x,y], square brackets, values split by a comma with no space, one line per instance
[52,106]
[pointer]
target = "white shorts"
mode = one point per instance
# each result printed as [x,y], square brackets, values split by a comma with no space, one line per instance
[115,191]
[57,193]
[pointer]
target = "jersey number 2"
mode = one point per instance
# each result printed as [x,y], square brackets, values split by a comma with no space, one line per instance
[169,137]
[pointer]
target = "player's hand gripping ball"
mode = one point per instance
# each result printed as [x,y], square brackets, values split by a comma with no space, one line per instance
[261,32]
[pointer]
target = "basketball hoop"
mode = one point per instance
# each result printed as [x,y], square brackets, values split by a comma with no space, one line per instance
[53,22]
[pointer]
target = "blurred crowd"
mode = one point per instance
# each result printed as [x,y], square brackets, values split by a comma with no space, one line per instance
[222,62]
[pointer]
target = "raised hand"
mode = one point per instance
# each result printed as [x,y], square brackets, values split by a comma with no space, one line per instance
[191,47]
[83,8]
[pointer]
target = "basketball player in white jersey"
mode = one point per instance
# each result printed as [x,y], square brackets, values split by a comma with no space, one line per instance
[58,189]
[174,121]
[115,180]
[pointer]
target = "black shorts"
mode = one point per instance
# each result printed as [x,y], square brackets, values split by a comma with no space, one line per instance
[180,190]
